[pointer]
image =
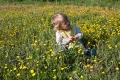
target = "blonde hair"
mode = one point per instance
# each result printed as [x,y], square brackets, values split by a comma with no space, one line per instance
[58,19]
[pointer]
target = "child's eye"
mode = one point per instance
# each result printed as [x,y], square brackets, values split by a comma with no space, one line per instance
[66,22]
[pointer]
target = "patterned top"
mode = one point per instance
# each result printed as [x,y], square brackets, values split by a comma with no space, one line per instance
[60,39]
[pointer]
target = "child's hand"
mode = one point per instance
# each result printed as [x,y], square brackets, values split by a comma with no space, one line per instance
[76,38]
[70,39]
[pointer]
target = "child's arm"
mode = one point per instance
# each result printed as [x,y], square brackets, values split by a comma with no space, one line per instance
[78,33]
[61,40]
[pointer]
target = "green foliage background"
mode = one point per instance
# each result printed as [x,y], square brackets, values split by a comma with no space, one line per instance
[102,3]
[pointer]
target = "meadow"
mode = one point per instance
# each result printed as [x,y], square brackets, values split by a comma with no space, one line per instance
[27,43]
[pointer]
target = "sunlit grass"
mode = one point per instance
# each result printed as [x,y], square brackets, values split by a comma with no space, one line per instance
[27,43]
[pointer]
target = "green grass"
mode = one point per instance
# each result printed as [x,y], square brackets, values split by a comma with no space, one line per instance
[102,3]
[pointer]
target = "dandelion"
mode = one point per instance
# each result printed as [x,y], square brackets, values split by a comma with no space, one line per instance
[88,65]
[85,66]
[17,57]
[62,69]
[88,42]
[52,54]
[109,46]
[54,70]
[34,44]
[44,44]
[100,61]
[30,57]
[36,41]
[21,67]
[70,78]
[91,67]
[117,68]
[54,77]
[88,60]
[82,53]
[103,72]
[12,45]
[33,74]
[94,60]
[80,63]
[65,67]
[10,70]
[37,49]
[31,71]
[51,50]
[81,76]
[118,62]
[18,74]
[24,67]
[101,68]
[5,66]
[45,67]
[74,72]
[6,56]
[37,64]
[14,68]
[116,46]
[91,70]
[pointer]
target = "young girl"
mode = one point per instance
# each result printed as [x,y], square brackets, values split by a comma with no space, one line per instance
[67,36]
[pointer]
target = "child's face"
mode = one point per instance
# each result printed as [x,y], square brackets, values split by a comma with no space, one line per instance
[65,25]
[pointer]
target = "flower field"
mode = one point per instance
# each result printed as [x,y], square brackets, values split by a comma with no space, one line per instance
[27,43]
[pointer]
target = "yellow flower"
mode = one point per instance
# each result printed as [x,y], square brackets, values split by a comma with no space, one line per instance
[88,65]
[17,57]
[44,44]
[103,72]
[37,64]
[62,68]
[88,59]
[36,41]
[21,67]
[91,70]
[31,71]
[34,44]
[116,46]
[82,53]
[54,70]
[45,67]
[80,62]
[14,68]
[101,68]
[18,75]
[84,66]
[37,49]
[5,66]
[30,57]
[118,62]
[95,60]
[24,67]
[54,77]
[74,72]
[10,70]
[88,42]
[81,76]
[117,68]
[33,74]
[51,50]
[91,67]
[100,61]
[70,78]
[109,46]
